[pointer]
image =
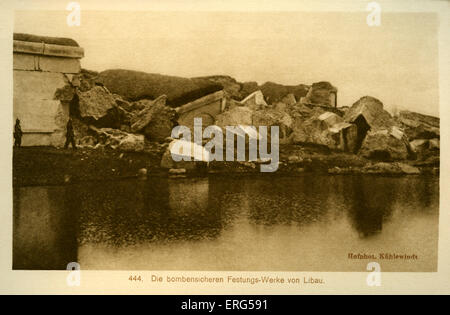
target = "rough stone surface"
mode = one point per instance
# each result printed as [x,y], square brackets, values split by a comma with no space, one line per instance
[231,103]
[418,126]
[87,80]
[119,140]
[372,110]
[348,134]
[408,169]
[390,168]
[435,144]
[255,101]
[381,145]
[87,141]
[132,143]
[235,116]
[280,106]
[289,99]
[156,120]
[425,148]
[273,117]
[95,103]
[321,93]
[330,118]
[314,130]
[302,112]
[275,92]
[397,133]
[248,88]
[123,103]
[65,93]
[419,145]
[382,168]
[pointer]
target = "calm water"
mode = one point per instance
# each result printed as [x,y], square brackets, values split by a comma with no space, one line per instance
[306,223]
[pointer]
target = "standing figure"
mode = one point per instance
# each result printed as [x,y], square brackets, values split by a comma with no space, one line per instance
[17,134]
[70,137]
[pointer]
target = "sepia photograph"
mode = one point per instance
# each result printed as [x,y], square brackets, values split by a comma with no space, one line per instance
[212,143]
[250,141]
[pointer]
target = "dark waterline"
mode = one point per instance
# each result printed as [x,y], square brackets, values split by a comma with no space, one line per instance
[306,223]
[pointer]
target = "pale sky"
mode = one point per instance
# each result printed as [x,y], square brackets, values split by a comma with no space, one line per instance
[396,62]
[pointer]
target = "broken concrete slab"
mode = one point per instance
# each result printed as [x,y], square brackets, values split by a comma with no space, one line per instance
[235,116]
[321,93]
[347,139]
[397,133]
[273,117]
[156,121]
[313,130]
[207,107]
[289,99]
[255,101]
[371,109]
[419,145]
[419,126]
[381,145]
[119,140]
[330,118]
[275,92]
[95,103]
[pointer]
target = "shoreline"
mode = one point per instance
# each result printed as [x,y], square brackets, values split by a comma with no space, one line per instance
[48,166]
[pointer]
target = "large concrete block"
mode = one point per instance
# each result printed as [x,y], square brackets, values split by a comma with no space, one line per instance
[24,62]
[47,49]
[206,107]
[59,64]
[28,47]
[63,51]
[208,113]
[31,62]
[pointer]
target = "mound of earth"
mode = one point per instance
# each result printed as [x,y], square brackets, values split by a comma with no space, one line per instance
[136,85]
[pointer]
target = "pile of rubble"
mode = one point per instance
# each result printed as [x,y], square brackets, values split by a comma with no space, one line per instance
[304,114]
[365,128]
[103,119]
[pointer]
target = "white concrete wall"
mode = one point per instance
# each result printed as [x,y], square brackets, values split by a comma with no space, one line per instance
[43,118]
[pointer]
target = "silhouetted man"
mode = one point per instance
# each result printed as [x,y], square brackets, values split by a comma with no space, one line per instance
[70,137]
[17,134]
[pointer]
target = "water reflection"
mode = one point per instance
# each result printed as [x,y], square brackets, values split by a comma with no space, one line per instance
[45,228]
[371,206]
[301,223]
